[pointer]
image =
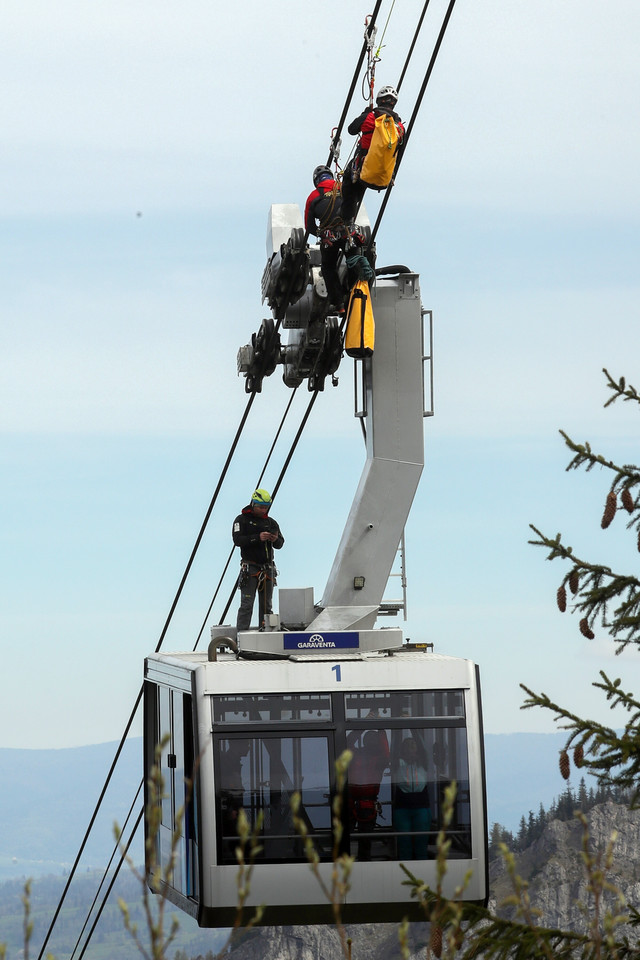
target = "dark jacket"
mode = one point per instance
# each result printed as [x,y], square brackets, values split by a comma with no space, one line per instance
[365,125]
[247,528]
[322,209]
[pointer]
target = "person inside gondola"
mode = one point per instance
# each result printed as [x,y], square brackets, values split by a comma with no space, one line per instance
[258,535]
[411,804]
[232,790]
[364,776]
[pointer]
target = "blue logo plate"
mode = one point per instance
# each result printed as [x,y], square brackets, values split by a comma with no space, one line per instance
[344,640]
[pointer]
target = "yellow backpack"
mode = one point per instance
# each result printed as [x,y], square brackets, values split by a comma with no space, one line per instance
[380,160]
[361,330]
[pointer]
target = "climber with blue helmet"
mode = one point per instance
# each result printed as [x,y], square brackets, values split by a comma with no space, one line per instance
[323,219]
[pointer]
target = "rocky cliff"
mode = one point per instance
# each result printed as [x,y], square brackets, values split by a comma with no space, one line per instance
[552,866]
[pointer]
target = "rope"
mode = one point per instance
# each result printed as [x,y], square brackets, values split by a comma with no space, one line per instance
[384,31]
[416,108]
[354,80]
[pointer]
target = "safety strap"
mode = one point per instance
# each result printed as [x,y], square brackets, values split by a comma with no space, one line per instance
[326,220]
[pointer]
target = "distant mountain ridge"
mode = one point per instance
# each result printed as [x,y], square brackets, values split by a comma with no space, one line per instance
[48,796]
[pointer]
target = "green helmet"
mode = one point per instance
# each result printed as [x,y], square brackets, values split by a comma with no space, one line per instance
[262,497]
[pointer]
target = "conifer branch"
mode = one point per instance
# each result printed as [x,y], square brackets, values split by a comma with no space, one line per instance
[612,757]
[595,586]
[620,389]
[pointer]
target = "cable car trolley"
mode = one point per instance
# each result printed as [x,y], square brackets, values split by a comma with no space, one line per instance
[265,714]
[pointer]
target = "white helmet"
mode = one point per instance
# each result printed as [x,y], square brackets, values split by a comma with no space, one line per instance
[387,95]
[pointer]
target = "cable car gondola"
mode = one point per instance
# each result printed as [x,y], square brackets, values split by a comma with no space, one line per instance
[267,713]
[263,729]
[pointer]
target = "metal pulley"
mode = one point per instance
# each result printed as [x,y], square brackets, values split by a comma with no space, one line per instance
[258,359]
[329,357]
[286,274]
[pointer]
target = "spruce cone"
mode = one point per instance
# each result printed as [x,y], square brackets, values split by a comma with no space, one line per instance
[578,755]
[561,599]
[574,581]
[564,764]
[586,630]
[627,500]
[435,940]
[609,510]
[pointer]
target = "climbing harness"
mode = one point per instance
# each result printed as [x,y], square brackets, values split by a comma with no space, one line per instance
[267,571]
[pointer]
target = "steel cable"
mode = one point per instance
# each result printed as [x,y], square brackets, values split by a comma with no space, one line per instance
[139,697]
[105,875]
[231,552]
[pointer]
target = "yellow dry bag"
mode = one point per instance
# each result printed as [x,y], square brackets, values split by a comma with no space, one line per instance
[361,331]
[380,160]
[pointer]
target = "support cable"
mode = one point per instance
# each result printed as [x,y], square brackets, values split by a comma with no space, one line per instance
[139,697]
[231,552]
[294,444]
[105,875]
[111,885]
[279,481]
[413,43]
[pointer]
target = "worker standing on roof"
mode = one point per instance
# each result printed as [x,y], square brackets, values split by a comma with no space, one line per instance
[257,535]
[323,219]
[353,184]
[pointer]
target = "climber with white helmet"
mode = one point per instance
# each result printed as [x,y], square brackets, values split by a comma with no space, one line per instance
[353,186]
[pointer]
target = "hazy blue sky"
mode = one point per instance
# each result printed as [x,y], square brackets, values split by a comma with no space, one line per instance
[142,145]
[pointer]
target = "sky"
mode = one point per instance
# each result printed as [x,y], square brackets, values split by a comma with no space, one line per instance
[142,145]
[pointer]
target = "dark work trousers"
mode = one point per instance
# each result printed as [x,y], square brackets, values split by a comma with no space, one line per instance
[352,192]
[261,578]
[330,254]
